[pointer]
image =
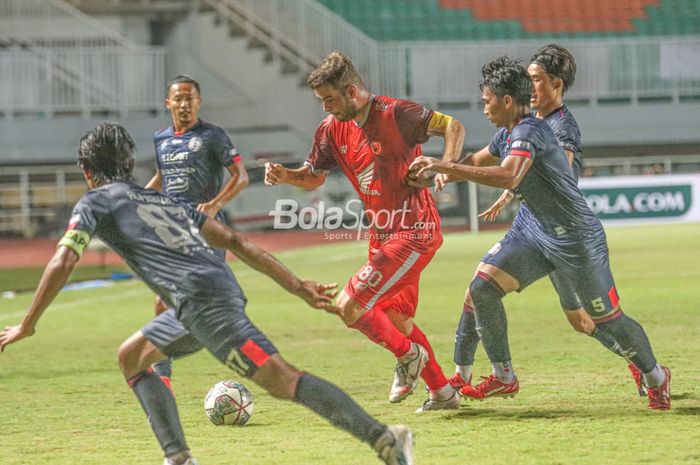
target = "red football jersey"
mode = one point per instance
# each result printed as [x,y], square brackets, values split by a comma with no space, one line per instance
[375,157]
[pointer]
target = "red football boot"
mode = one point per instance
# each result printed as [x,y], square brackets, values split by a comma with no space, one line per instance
[660,396]
[458,382]
[491,387]
[637,375]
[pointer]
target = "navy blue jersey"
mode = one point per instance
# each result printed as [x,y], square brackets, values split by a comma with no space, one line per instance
[568,134]
[159,239]
[559,211]
[191,164]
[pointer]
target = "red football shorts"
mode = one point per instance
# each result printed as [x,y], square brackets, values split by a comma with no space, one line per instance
[389,279]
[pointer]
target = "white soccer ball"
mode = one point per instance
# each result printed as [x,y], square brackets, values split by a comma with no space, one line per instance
[228,403]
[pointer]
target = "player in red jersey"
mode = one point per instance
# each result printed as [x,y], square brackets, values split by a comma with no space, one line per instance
[374,139]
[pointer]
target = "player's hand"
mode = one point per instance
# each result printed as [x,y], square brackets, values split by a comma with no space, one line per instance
[441,180]
[320,296]
[274,174]
[210,209]
[422,181]
[421,165]
[492,212]
[13,334]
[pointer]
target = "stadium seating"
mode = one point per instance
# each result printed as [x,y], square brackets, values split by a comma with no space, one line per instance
[418,20]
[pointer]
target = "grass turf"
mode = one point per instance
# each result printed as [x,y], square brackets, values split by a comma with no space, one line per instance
[62,400]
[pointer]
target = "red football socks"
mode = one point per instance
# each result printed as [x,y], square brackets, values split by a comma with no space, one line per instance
[379,329]
[432,373]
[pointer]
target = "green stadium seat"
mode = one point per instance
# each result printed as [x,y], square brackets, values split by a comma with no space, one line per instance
[478,20]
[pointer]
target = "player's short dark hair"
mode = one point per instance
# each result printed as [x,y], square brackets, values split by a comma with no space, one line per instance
[336,70]
[107,151]
[557,62]
[183,79]
[505,76]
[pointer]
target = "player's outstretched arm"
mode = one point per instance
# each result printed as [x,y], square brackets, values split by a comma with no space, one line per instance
[507,175]
[315,294]
[52,281]
[303,177]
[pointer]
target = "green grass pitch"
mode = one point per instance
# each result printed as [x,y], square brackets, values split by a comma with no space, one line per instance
[62,399]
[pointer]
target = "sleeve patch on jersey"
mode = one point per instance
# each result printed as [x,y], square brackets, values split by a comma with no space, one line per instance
[521,144]
[520,153]
[75,240]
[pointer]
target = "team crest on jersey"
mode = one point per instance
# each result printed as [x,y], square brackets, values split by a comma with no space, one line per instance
[164,144]
[375,147]
[343,149]
[195,144]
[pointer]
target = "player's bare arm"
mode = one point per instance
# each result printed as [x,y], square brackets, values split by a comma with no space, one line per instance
[52,281]
[507,175]
[303,177]
[156,182]
[453,131]
[238,181]
[315,294]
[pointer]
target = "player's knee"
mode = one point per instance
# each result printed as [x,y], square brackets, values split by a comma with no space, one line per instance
[351,309]
[278,377]
[126,357]
[483,289]
[581,322]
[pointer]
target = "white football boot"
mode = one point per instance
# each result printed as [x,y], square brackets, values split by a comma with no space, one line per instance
[395,445]
[407,371]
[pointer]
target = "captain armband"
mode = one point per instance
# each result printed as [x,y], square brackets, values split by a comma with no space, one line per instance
[75,240]
[439,122]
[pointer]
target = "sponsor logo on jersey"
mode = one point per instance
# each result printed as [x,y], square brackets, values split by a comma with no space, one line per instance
[381,106]
[177,141]
[176,184]
[365,178]
[375,147]
[195,144]
[174,157]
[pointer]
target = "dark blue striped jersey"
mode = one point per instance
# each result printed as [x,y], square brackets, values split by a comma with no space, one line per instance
[568,134]
[158,238]
[191,164]
[559,211]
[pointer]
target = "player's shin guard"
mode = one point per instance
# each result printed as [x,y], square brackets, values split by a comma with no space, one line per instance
[159,404]
[328,401]
[632,338]
[466,338]
[379,329]
[164,369]
[487,296]
[432,373]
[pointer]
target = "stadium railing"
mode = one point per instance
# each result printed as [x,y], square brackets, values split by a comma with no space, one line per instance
[55,59]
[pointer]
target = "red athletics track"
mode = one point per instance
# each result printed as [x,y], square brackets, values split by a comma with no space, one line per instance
[21,253]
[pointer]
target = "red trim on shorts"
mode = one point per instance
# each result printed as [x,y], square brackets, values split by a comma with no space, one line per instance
[605,319]
[254,352]
[492,281]
[520,153]
[468,308]
[236,158]
[614,298]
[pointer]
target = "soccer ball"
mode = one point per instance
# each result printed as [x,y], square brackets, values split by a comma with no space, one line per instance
[228,403]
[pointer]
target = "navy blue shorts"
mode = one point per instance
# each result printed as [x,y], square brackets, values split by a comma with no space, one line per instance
[582,270]
[567,294]
[219,325]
